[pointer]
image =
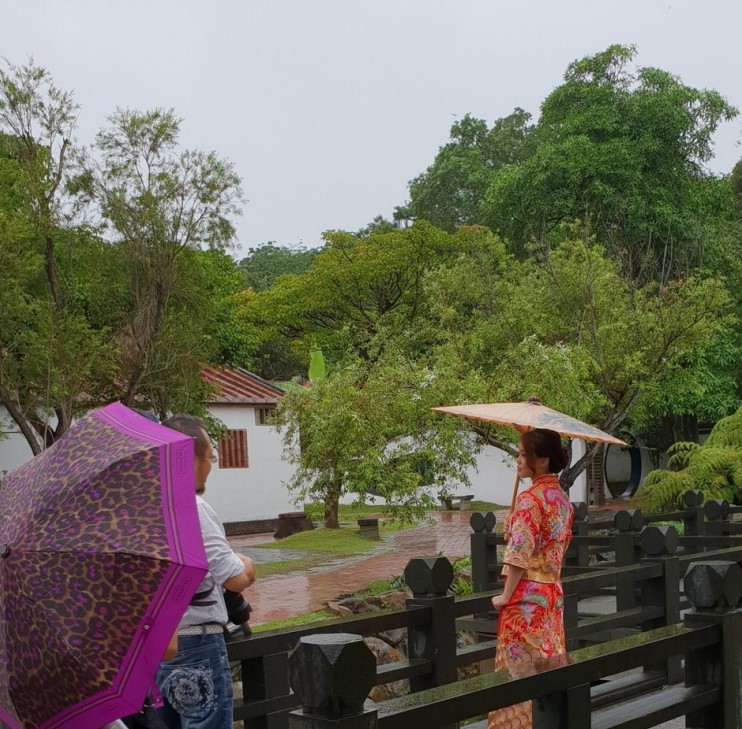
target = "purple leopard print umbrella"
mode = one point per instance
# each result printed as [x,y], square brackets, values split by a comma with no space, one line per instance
[100,553]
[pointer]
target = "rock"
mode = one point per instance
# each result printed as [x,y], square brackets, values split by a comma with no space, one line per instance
[335,608]
[386,654]
[354,604]
[396,599]
[396,638]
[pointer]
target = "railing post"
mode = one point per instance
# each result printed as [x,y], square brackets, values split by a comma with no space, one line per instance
[714,589]
[628,523]
[331,675]
[429,579]
[578,553]
[716,512]
[659,544]
[693,522]
[483,551]
[563,710]
[265,677]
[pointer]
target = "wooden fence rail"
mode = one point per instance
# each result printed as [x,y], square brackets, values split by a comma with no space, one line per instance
[645,578]
[563,689]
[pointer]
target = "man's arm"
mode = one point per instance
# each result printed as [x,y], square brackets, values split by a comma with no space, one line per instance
[241,582]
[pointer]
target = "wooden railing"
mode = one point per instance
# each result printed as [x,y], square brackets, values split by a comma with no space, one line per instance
[645,584]
[332,674]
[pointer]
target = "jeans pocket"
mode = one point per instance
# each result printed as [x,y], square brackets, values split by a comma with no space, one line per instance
[190,690]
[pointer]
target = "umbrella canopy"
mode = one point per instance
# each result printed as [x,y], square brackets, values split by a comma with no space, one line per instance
[529,415]
[100,554]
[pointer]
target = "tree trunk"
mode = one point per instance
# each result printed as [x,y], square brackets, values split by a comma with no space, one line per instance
[331,513]
[332,501]
[23,424]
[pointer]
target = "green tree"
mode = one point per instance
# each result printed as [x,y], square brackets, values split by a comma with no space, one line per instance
[625,150]
[263,265]
[161,204]
[49,352]
[370,426]
[356,287]
[571,330]
[452,191]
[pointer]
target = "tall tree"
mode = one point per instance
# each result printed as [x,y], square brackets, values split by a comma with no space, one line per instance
[572,330]
[625,150]
[452,191]
[160,203]
[49,352]
[370,427]
[356,287]
[263,265]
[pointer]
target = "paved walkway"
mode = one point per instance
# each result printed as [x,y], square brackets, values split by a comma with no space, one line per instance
[285,596]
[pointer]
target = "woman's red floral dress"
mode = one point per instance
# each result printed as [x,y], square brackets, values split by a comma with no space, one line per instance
[531,625]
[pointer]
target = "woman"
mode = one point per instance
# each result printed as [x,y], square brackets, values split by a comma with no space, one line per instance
[531,623]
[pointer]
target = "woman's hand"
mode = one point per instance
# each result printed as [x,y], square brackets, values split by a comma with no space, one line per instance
[499,601]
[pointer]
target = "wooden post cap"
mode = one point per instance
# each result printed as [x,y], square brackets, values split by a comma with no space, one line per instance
[713,585]
[332,674]
[428,575]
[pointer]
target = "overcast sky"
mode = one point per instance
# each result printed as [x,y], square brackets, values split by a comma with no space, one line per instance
[329,107]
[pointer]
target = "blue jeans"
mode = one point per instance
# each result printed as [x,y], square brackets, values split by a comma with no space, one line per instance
[196,685]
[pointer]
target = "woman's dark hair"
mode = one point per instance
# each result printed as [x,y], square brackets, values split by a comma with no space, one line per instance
[540,443]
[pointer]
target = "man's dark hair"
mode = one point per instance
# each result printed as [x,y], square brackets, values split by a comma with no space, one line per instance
[190,425]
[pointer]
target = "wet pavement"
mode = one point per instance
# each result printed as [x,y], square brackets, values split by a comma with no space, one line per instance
[285,596]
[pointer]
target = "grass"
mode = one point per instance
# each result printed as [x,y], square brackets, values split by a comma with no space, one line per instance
[296,622]
[486,506]
[346,540]
[284,567]
[346,512]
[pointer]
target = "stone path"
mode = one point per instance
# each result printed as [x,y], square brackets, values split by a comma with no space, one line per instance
[285,596]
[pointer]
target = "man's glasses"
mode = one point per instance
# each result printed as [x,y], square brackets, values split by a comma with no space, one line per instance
[213,458]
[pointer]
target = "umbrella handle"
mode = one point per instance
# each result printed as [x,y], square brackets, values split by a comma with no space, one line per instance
[512,505]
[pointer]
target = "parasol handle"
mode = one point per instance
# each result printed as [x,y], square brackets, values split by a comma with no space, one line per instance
[512,504]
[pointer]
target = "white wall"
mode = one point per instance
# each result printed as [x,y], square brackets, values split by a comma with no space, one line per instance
[493,477]
[256,492]
[14,450]
[237,494]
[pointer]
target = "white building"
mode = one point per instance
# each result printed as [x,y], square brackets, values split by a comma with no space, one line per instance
[248,483]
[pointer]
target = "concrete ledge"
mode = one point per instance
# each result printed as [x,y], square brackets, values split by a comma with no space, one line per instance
[256,526]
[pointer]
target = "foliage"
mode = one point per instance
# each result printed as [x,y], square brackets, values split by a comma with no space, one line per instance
[356,287]
[263,265]
[452,191]
[714,468]
[365,428]
[570,329]
[52,347]
[84,320]
[160,203]
[626,151]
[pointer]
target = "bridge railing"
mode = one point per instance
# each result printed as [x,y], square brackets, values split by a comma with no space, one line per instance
[332,674]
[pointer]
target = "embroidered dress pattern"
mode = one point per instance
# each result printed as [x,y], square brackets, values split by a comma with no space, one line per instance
[531,625]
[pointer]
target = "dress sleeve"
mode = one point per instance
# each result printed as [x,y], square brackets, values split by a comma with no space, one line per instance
[524,528]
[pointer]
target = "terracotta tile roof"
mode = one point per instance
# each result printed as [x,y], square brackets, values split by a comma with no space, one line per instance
[239,386]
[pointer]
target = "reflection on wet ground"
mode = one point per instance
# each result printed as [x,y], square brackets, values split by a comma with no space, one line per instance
[285,596]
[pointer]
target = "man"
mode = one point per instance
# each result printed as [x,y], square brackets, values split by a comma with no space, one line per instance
[196,685]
